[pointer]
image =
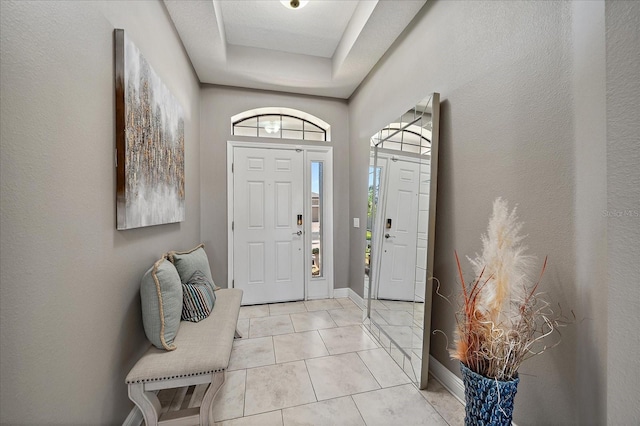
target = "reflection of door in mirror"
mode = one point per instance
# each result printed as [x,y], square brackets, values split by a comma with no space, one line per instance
[422,243]
[374,188]
[400,212]
[400,221]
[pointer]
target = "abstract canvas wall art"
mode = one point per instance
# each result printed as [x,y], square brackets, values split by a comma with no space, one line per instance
[149,143]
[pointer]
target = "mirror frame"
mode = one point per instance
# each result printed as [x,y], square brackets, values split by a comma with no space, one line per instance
[431,245]
[428,296]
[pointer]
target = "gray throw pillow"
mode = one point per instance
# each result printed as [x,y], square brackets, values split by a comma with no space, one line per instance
[161,297]
[188,262]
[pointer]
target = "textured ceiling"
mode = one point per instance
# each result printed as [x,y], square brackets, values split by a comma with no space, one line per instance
[315,30]
[326,48]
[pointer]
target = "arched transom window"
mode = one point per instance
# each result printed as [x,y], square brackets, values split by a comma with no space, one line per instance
[410,133]
[280,123]
[413,139]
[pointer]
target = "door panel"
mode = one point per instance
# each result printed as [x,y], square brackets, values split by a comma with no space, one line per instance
[284,251]
[267,249]
[283,204]
[256,263]
[255,205]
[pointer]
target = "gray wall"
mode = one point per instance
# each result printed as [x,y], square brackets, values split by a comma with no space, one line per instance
[623,208]
[218,105]
[523,117]
[69,303]
[589,113]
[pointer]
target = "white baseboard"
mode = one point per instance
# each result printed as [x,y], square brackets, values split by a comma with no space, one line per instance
[347,292]
[355,297]
[134,418]
[341,293]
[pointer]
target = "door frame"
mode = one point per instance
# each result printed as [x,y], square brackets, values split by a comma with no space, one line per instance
[314,288]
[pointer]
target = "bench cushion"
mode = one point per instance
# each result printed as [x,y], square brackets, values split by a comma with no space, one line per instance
[202,348]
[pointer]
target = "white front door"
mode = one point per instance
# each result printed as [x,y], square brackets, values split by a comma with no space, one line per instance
[399,222]
[268,262]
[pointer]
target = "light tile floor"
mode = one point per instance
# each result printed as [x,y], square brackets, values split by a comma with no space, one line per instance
[313,363]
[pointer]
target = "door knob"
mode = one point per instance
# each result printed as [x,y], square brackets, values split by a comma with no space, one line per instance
[389,236]
[297,233]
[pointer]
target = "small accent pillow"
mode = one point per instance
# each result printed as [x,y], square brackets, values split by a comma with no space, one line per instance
[188,262]
[161,298]
[198,298]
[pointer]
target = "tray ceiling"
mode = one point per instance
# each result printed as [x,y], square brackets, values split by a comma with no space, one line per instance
[325,48]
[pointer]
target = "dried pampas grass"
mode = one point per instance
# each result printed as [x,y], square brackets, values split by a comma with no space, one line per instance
[502,319]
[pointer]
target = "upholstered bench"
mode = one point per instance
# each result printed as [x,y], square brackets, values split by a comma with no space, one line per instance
[201,356]
[191,323]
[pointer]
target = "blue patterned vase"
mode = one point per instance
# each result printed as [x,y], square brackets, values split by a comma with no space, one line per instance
[488,401]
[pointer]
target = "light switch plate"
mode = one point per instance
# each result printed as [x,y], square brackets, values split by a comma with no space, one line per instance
[356,222]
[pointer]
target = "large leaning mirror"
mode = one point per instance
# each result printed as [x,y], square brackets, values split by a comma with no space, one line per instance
[400,230]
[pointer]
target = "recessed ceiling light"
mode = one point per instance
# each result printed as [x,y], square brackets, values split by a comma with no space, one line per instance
[294,4]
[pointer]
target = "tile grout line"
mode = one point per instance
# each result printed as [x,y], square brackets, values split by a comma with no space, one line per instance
[384,389]
[273,348]
[432,406]
[368,369]
[293,327]
[306,367]
[395,363]
[371,336]
[358,408]
[323,342]
[312,329]
[244,397]
[244,417]
[336,397]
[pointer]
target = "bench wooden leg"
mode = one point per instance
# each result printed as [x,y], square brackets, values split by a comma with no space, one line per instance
[147,402]
[237,335]
[206,415]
